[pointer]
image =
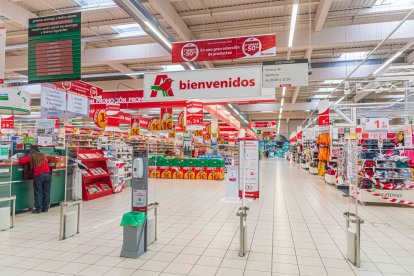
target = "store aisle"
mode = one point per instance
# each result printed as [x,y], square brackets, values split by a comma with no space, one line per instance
[295,228]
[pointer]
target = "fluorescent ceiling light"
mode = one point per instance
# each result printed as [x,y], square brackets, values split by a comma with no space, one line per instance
[330,82]
[96,3]
[129,28]
[281,110]
[340,100]
[282,102]
[320,96]
[283,91]
[325,89]
[191,66]
[267,111]
[174,67]
[393,2]
[159,34]
[354,55]
[385,64]
[280,116]
[293,22]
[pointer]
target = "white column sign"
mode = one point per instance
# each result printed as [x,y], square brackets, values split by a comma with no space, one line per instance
[249,168]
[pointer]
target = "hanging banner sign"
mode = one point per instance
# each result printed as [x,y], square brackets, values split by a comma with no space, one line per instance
[181,120]
[124,118]
[194,116]
[144,123]
[77,106]
[135,127]
[112,117]
[376,124]
[228,83]
[52,101]
[81,88]
[55,48]
[249,168]
[166,119]
[69,129]
[323,118]
[154,125]
[286,73]
[44,127]
[99,118]
[224,48]
[262,124]
[7,125]
[2,54]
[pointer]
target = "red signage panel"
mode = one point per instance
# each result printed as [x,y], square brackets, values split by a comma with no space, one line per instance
[262,124]
[224,48]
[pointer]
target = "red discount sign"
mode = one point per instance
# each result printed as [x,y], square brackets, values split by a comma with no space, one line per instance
[194,116]
[7,124]
[225,48]
[262,124]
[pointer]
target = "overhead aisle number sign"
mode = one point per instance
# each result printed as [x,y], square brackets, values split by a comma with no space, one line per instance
[55,48]
[285,73]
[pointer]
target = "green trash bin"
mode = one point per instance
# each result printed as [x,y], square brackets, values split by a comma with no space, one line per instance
[134,234]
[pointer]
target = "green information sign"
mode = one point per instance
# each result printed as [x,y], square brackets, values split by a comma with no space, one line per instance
[55,48]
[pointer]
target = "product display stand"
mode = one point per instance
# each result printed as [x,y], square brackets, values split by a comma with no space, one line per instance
[96,181]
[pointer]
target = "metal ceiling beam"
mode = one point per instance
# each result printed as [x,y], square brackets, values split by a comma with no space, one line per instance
[122,68]
[94,56]
[410,57]
[295,95]
[328,37]
[226,10]
[15,13]
[321,14]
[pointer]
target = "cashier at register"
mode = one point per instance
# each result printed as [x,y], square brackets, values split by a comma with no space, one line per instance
[42,179]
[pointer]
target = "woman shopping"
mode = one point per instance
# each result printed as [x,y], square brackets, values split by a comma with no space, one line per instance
[41,179]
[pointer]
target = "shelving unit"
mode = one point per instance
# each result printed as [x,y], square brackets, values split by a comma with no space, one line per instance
[363,195]
[96,181]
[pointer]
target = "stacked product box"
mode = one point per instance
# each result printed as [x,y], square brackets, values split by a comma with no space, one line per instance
[207,169]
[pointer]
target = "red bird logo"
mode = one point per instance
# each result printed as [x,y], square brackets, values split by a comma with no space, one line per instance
[162,83]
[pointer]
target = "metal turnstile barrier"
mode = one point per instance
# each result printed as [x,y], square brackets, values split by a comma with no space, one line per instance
[13,213]
[63,208]
[242,213]
[154,206]
[353,237]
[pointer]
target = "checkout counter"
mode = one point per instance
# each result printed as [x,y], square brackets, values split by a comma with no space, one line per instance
[23,189]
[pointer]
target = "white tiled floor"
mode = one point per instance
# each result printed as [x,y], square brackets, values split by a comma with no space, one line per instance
[295,228]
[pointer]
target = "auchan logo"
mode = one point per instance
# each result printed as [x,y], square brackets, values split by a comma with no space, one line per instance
[162,84]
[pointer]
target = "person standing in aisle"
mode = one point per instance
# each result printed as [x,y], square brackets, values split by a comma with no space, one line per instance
[42,179]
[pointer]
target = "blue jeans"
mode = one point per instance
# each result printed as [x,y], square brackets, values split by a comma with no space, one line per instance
[41,187]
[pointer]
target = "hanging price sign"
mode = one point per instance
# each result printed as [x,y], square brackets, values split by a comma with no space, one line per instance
[376,124]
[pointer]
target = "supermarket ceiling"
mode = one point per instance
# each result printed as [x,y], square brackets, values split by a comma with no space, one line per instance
[335,35]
